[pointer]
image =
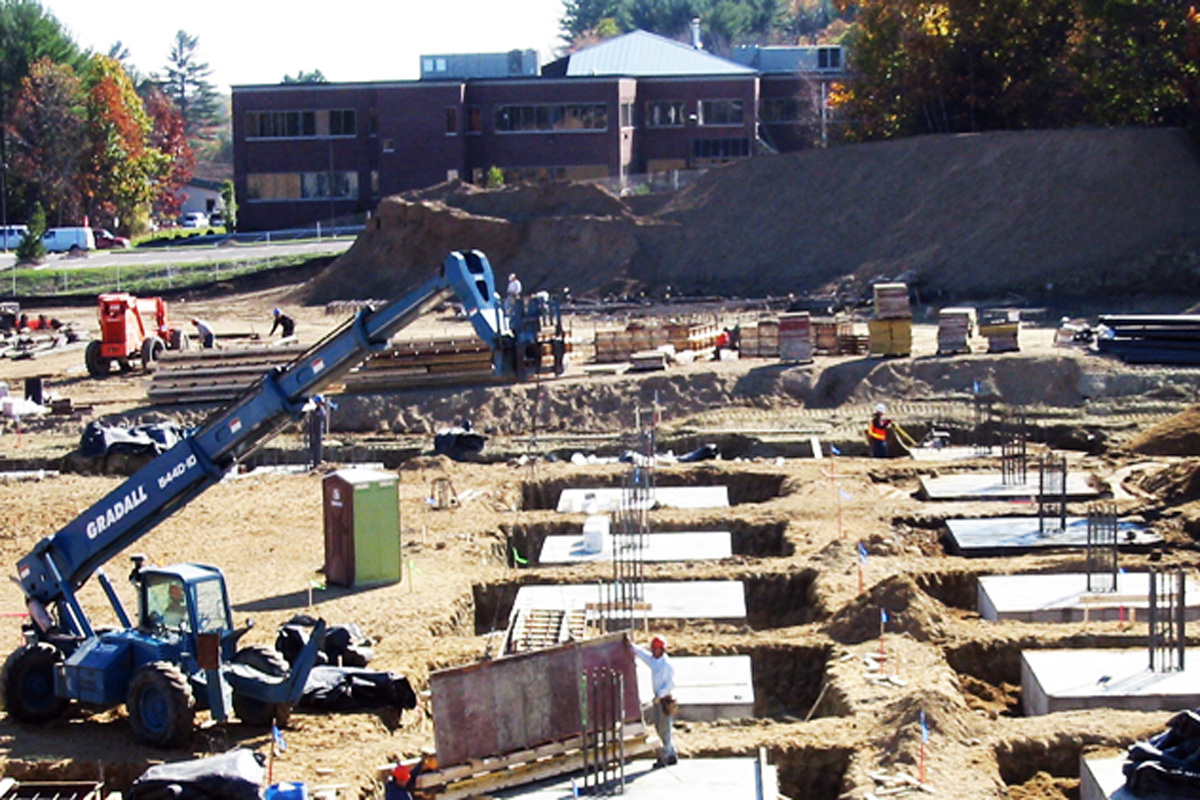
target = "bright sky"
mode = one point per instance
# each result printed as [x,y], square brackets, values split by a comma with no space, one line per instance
[260,41]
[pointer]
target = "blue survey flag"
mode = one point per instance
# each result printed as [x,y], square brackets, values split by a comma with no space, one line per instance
[862,553]
[277,737]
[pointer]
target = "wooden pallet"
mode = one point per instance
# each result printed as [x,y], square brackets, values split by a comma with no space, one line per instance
[479,777]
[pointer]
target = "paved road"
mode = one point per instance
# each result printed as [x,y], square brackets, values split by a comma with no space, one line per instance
[191,254]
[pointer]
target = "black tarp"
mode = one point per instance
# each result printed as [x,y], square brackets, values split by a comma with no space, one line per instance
[236,775]
[150,439]
[1168,764]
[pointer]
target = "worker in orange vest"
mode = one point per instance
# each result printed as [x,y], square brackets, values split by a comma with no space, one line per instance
[877,431]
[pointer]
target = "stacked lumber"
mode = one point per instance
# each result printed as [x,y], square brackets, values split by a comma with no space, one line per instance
[759,339]
[1001,329]
[890,332]
[891,301]
[620,345]
[1151,338]
[648,361]
[828,335]
[853,343]
[955,326]
[795,337]
[215,375]
[425,362]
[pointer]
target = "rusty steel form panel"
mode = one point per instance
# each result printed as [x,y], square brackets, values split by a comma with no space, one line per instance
[527,700]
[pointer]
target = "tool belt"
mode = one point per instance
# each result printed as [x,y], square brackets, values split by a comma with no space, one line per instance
[669,705]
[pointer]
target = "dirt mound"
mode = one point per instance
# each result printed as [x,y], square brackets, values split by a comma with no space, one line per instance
[1044,215]
[1177,436]
[1176,484]
[908,611]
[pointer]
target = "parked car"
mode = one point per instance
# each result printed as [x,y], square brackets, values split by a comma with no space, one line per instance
[194,219]
[68,240]
[216,219]
[105,240]
[11,236]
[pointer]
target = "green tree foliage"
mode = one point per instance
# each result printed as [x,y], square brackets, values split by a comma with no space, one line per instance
[47,135]
[124,170]
[169,137]
[944,66]
[229,199]
[316,76]
[31,250]
[188,87]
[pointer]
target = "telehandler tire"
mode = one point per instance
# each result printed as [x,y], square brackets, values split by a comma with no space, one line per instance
[162,711]
[28,681]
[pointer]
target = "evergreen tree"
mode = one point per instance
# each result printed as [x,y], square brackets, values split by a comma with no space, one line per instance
[31,250]
[188,87]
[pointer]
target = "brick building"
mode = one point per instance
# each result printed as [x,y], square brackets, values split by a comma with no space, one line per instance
[633,105]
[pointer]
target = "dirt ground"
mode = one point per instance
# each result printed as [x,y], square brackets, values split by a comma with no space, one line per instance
[821,718]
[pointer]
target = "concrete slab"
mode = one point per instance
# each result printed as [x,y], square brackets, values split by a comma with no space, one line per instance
[690,779]
[707,687]
[991,486]
[1065,598]
[1102,779]
[1066,680]
[673,546]
[995,536]
[574,501]
[715,600]
[952,453]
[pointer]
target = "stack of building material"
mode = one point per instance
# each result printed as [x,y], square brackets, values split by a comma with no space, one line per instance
[760,339]
[1000,328]
[828,335]
[1151,338]
[795,337]
[955,326]
[423,362]
[648,360]
[854,343]
[215,375]
[620,345]
[891,331]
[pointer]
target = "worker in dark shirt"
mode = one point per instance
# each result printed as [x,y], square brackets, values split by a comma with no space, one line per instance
[285,324]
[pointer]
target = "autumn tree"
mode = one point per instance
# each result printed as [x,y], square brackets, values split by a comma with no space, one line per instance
[187,85]
[169,137]
[47,135]
[123,169]
[316,76]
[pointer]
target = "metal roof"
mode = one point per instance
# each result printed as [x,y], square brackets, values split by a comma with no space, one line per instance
[642,54]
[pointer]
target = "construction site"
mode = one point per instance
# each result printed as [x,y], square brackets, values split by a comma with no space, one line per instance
[999,608]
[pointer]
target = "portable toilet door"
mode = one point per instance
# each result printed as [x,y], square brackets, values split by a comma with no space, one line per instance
[362,527]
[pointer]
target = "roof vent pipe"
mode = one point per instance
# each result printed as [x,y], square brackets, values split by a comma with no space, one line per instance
[696,43]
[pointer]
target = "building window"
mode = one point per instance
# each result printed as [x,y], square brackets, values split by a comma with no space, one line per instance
[389,145]
[626,115]
[342,122]
[717,150]
[721,112]
[374,183]
[780,109]
[664,114]
[451,121]
[302,185]
[474,119]
[565,118]
[280,124]
[829,58]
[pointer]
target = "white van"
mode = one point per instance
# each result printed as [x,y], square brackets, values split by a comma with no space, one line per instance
[68,240]
[11,236]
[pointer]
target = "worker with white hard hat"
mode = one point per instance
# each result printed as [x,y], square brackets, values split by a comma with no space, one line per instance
[877,431]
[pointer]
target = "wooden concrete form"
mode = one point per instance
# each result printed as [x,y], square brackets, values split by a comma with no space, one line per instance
[994,536]
[708,688]
[666,546]
[690,779]
[215,374]
[574,501]
[951,453]
[1064,597]
[704,600]
[991,486]
[1067,680]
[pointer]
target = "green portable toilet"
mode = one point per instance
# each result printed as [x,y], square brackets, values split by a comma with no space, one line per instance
[362,527]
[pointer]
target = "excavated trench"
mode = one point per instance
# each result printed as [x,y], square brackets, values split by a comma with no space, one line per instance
[788,683]
[523,542]
[743,488]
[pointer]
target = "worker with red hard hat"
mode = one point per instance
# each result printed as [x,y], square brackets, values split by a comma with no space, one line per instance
[662,710]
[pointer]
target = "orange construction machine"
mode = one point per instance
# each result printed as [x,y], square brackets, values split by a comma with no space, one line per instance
[131,327]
